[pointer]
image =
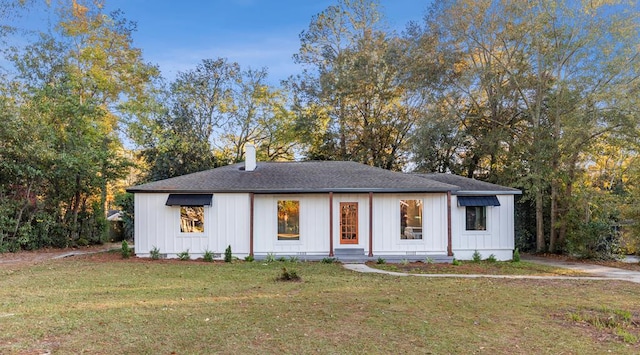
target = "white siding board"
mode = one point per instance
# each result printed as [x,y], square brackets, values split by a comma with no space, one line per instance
[386,229]
[498,239]
[314,225]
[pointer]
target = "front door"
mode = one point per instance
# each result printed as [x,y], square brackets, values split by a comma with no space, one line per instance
[348,223]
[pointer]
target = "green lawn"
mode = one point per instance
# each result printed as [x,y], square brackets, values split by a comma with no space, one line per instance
[80,305]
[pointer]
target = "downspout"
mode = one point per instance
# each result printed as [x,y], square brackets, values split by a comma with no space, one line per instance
[330,223]
[251,195]
[449,248]
[370,224]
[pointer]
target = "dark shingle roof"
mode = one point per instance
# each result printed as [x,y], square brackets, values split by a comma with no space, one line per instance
[296,177]
[469,186]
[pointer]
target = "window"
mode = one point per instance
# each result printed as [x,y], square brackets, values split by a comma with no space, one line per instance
[192,219]
[288,220]
[476,218]
[348,223]
[410,219]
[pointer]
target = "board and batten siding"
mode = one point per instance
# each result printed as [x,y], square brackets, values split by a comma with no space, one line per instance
[314,225]
[386,225]
[497,239]
[226,222]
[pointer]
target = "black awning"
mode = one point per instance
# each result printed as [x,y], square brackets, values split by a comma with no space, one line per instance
[478,201]
[189,200]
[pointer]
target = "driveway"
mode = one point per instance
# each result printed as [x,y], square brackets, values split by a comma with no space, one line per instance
[598,272]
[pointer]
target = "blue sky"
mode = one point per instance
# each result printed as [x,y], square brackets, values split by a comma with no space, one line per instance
[177,35]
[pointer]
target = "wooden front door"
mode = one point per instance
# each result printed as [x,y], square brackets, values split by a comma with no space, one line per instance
[348,223]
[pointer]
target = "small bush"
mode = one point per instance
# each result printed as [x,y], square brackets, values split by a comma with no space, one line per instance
[404,262]
[155,253]
[476,257]
[282,259]
[428,260]
[249,258]
[516,256]
[294,259]
[270,258]
[228,257]
[184,255]
[381,261]
[125,250]
[207,256]
[456,262]
[328,260]
[492,258]
[288,275]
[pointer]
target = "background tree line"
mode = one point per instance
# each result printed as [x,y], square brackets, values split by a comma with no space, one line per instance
[539,95]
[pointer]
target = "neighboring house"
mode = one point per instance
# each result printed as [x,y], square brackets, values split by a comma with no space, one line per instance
[319,209]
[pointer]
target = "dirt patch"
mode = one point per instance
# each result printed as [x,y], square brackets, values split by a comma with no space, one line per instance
[22,258]
[605,324]
[616,264]
[476,268]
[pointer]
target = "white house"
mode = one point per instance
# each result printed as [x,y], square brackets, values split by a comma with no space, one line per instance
[322,209]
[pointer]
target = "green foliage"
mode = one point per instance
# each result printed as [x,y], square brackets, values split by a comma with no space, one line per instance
[476,257]
[404,262]
[270,258]
[155,253]
[282,259]
[184,255]
[456,262]
[249,258]
[125,251]
[428,260]
[288,275]
[294,259]
[492,258]
[381,261]
[516,256]
[228,257]
[207,256]
[597,240]
[328,260]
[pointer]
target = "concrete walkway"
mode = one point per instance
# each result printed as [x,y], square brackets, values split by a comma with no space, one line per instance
[598,272]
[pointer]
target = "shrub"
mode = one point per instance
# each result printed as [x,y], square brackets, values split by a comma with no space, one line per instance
[155,253]
[492,258]
[476,257]
[228,257]
[428,260]
[456,262]
[294,259]
[328,260]
[207,256]
[404,262]
[381,261]
[270,258]
[516,256]
[184,255]
[125,250]
[288,275]
[249,258]
[282,259]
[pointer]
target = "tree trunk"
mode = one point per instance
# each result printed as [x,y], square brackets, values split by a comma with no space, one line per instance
[553,218]
[540,244]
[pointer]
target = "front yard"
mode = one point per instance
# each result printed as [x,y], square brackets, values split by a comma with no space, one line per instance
[103,304]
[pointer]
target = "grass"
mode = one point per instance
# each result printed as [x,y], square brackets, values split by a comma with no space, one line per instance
[484,267]
[81,305]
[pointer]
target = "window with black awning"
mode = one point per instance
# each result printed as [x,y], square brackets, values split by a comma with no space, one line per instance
[189,200]
[478,201]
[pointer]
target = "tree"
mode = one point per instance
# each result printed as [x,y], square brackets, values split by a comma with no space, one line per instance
[536,86]
[72,88]
[351,102]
